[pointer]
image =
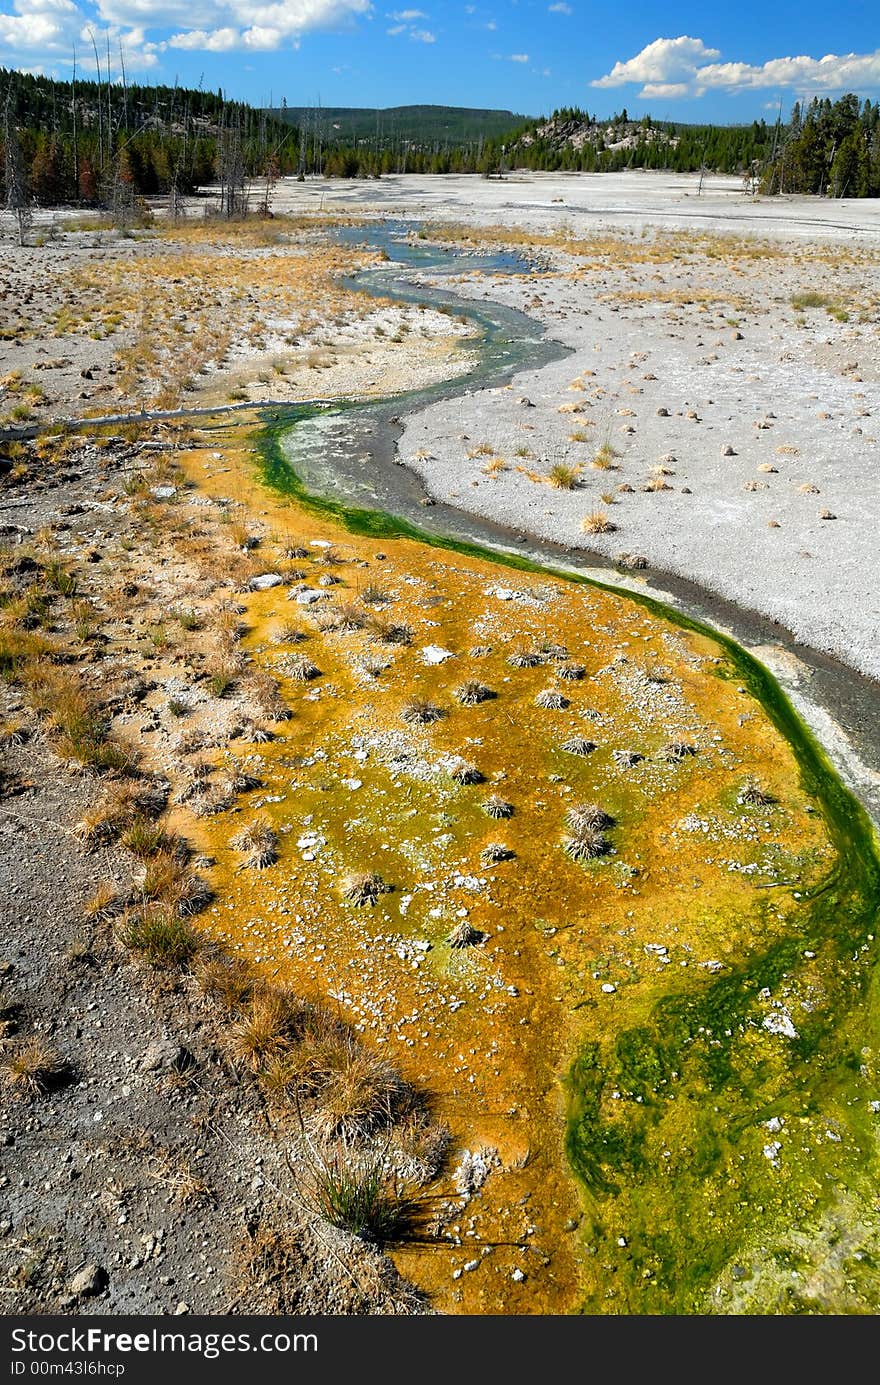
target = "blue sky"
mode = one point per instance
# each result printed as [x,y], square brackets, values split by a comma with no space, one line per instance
[682,60]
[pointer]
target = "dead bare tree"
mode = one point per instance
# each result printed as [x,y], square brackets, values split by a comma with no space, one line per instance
[75,132]
[231,169]
[100,112]
[17,200]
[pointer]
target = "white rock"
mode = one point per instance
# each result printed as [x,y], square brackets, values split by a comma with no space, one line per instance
[308,597]
[779,1021]
[265,581]
[433,654]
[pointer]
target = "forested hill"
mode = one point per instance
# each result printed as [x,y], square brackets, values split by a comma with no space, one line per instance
[828,147]
[420,126]
[75,139]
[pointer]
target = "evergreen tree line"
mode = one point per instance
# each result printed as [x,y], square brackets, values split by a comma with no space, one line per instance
[829,147]
[97,142]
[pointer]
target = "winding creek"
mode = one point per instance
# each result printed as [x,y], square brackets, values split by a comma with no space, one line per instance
[713,1220]
[349,454]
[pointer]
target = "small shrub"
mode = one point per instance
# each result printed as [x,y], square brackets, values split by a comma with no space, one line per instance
[464,935]
[464,772]
[301,669]
[160,936]
[552,700]
[578,745]
[583,815]
[363,888]
[32,1068]
[598,522]
[259,843]
[588,843]
[496,852]
[358,1195]
[562,477]
[497,807]
[753,793]
[470,693]
[417,711]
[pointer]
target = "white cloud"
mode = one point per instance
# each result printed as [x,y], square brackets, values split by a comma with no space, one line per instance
[664,91]
[661,61]
[215,41]
[849,71]
[407,16]
[422,36]
[519,57]
[50,29]
[53,29]
[395,30]
[560,8]
[673,68]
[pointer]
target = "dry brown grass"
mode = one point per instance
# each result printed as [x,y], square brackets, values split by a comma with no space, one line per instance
[598,522]
[31,1067]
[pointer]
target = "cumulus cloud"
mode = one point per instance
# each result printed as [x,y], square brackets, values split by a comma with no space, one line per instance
[519,57]
[50,29]
[673,68]
[560,8]
[663,60]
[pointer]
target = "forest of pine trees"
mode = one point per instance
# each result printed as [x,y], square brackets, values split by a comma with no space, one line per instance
[101,143]
[829,147]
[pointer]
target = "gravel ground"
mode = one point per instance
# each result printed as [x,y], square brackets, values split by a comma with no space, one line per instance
[149,1178]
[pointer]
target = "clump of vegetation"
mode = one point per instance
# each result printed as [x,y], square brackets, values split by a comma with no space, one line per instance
[145,838]
[464,935]
[472,692]
[524,658]
[583,815]
[373,595]
[754,794]
[349,618]
[359,1195]
[496,852]
[301,669]
[103,904]
[562,477]
[463,771]
[266,1028]
[160,936]
[259,843]
[605,457]
[571,673]
[552,700]
[227,979]
[497,807]
[363,888]
[32,1068]
[598,522]
[388,631]
[357,1090]
[578,745]
[418,711]
[587,843]
[676,751]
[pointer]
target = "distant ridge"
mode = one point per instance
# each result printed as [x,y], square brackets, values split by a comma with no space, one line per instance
[417,125]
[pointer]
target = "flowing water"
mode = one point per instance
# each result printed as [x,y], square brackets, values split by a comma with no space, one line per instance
[348,453]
